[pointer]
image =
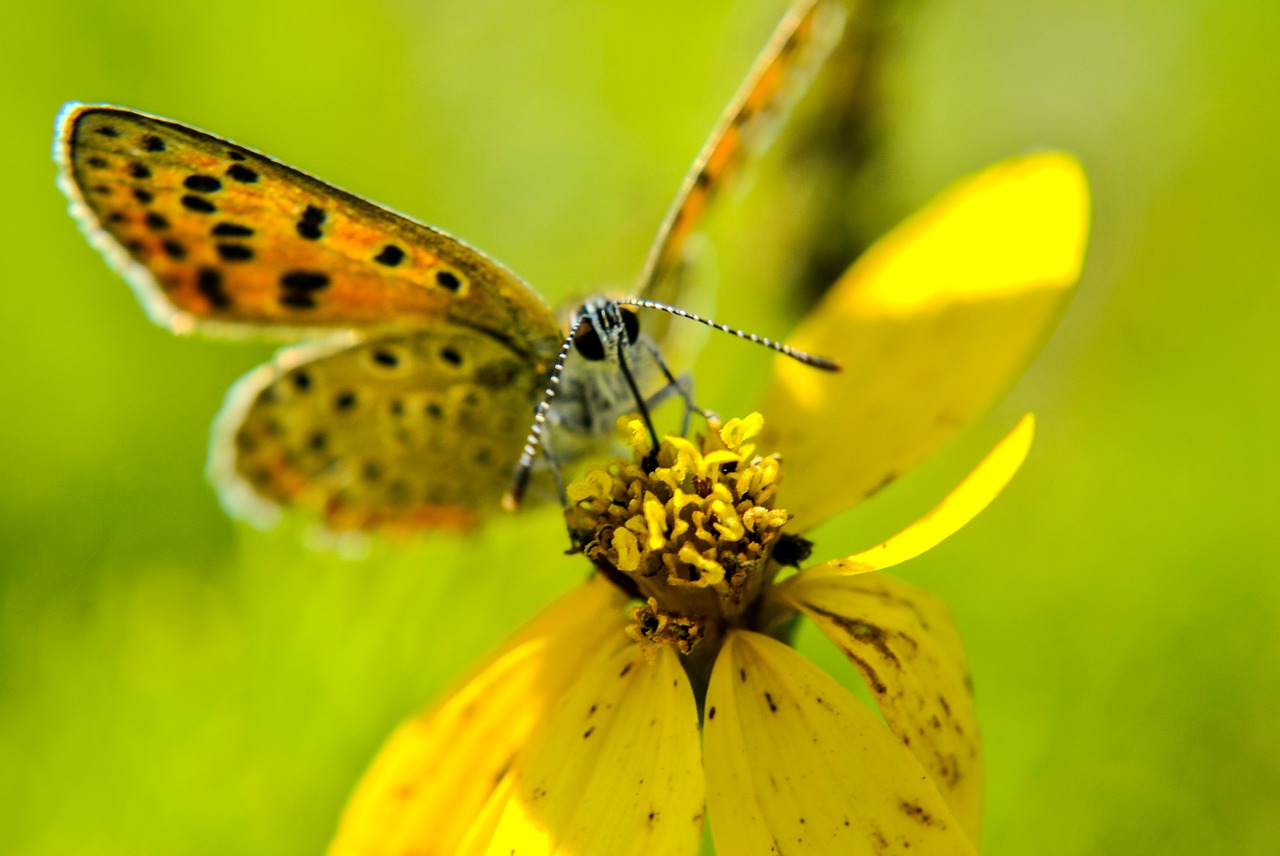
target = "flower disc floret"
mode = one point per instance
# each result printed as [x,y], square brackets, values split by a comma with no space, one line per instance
[688,527]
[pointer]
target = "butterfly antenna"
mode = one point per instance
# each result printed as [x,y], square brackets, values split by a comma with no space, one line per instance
[511,502]
[794,353]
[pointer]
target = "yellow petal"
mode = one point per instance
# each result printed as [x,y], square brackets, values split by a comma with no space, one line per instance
[797,765]
[975,493]
[931,325]
[436,770]
[902,640]
[476,840]
[616,769]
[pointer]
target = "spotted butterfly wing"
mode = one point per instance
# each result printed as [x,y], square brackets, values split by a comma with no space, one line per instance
[403,432]
[217,237]
[780,76]
[410,414]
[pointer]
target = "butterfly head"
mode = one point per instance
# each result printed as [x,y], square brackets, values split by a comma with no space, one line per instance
[602,328]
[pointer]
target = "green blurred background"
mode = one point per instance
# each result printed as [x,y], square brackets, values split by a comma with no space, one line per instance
[172,682]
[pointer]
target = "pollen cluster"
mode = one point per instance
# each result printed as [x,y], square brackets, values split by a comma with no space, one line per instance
[688,528]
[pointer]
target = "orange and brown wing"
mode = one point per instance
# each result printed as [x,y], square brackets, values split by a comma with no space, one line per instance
[779,77]
[219,238]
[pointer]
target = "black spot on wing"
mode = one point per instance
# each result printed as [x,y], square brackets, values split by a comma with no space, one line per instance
[152,143]
[384,357]
[209,283]
[202,183]
[391,255]
[301,280]
[241,173]
[311,221]
[299,287]
[198,204]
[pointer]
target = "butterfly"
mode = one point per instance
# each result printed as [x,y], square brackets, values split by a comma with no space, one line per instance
[428,362]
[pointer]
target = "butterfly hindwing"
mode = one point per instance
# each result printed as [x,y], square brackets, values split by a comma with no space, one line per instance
[400,432]
[217,237]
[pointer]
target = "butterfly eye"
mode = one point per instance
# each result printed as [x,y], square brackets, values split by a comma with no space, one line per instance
[587,342]
[630,322]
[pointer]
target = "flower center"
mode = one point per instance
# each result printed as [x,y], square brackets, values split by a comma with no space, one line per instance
[687,528]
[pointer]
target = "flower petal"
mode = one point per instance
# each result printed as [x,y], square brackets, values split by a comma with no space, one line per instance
[797,765]
[978,490]
[436,770]
[616,769]
[931,324]
[476,841]
[902,640]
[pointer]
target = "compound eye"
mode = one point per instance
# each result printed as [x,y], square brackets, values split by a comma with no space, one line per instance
[587,342]
[630,322]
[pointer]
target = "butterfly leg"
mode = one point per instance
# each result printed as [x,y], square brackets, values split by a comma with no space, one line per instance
[682,386]
[553,461]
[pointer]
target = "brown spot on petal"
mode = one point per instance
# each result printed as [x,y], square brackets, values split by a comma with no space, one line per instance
[860,630]
[873,679]
[917,813]
[882,484]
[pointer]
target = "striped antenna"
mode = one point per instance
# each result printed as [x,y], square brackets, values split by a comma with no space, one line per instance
[511,501]
[802,356]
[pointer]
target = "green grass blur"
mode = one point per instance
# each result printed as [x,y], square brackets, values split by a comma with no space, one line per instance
[172,682]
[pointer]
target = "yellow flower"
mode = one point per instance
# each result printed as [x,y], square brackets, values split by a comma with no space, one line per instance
[602,730]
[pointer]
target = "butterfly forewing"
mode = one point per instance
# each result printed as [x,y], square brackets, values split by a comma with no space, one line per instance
[780,76]
[218,237]
[400,432]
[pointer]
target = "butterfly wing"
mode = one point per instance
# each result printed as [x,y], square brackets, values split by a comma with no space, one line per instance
[219,238]
[779,77]
[400,432]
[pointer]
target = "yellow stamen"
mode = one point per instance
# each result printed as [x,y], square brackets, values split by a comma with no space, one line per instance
[691,524]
